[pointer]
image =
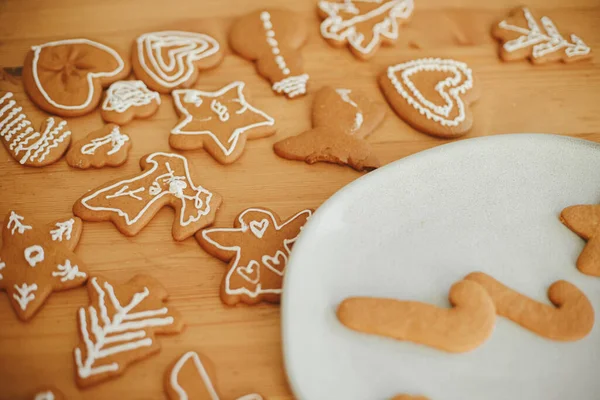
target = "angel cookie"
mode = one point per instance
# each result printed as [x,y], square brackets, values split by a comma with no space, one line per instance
[522,37]
[257,249]
[38,259]
[584,220]
[272,39]
[363,24]
[126,100]
[66,77]
[131,203]
[341,120]
[106,146]
[432,94]
[220,122]
[171,59]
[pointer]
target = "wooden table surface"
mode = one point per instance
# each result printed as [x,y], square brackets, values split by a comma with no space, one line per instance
[245,342]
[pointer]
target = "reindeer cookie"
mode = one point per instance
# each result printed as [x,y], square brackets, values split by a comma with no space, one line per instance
[126,100]
[584,220]
[272,39]
[106,146]
[341,120]
[131,203]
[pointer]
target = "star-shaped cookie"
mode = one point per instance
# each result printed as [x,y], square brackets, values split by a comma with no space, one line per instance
[36,260]
[584,220]
[219,122]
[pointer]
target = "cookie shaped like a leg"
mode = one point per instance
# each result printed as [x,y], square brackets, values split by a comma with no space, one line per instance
[584,220]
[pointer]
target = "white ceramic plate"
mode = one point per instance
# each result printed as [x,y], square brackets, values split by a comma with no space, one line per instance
[412,229]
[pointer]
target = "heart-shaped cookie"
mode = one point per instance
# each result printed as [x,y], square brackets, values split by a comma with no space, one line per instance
[432,94]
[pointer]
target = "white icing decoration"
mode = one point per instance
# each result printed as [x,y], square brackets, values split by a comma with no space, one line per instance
[194,96]
[115,139]
[250,272]
[258,228]
[63,230]
[2,266]
[543,43]
[47,395]
[90,76]
[124,192]
[15,221]
[334,27]
[292,86]
[25,294]
[450,89]
[221,110]
[68,272]
[34,254]
[123,95]
[358,117]
[183,49]
[279,259]
[122,332]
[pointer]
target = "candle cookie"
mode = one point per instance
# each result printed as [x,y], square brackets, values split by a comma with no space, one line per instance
[105,146]
[126,100]
[585,222]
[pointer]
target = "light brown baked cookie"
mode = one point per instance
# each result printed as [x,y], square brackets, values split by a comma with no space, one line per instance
[220,122]
[585,221]
[433,95]
[363,24]
[464,327]
[31,147]
[66,77]
[272,39]
[130,203]
[119,325]
[105,146]
[341,120]
[126,100]
[48,393]
[170,60]
[38,259]
[257,249]
[524,37]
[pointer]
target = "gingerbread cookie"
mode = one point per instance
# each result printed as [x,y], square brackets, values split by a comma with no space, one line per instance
[272,39]
[257,249]
[585,221]
[126,100]
[431,94]
[363,24]
[49,393]
[522,37]
[119,325]
[570,318]
[105,146]
[131,203]
[66,77]
[341,121]
[37,259]
[464,327]
[25,144]
[192,377]
[171,59]
[220,122]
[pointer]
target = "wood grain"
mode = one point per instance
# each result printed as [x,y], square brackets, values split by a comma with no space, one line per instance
[244,342]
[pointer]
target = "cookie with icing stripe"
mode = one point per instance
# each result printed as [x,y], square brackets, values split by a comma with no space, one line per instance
[107,146]
[126,100]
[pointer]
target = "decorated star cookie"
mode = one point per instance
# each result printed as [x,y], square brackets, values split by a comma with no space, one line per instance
[432,94]
[363,24]
[119,325]
[106,146]
[220,122]
[192,377]
[66,77]
[131,203]
[523,37]
[126,100]
[48,393]
[24,143]
[37,259]
[171,59]
[257,249]
[341,120]
[584,220]
[272,39]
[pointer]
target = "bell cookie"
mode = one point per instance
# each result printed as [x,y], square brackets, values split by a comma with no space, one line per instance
[131,203]
[119,325]
[341,120]
[272,39]
[523,37]
[126,100]
[48,393]
[432,95]
[363,24]
[105,146]
[170,60]
[464,327]
[27,145]
[220,122]
[257,249]
[570,318]
[191,376]
[38,259]
[66,77]
[584,220]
